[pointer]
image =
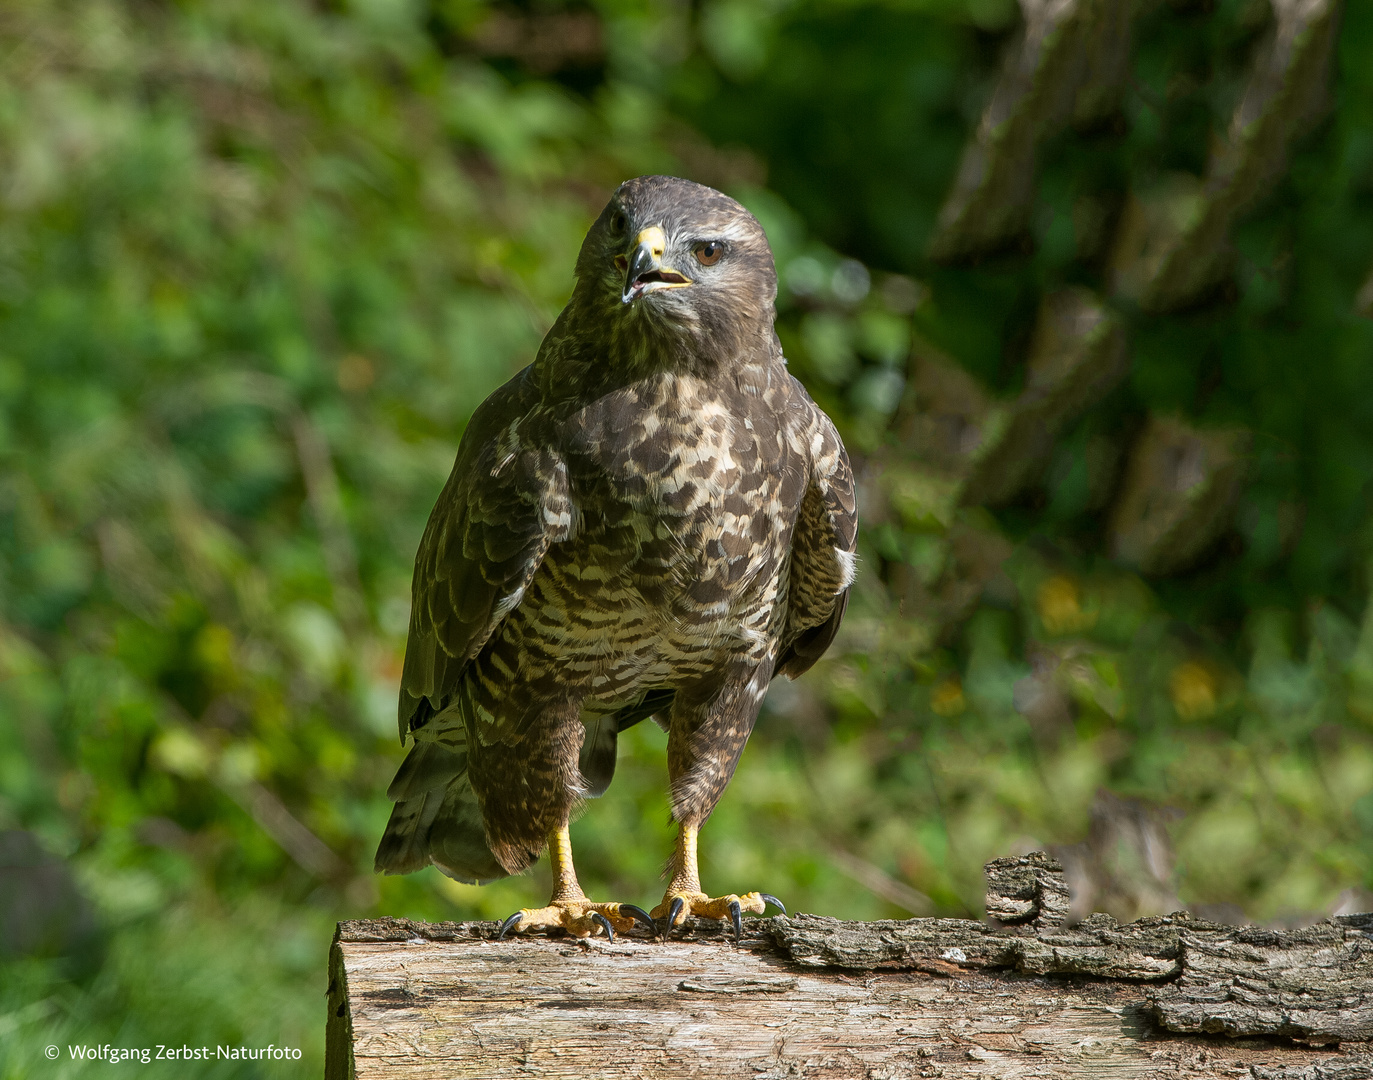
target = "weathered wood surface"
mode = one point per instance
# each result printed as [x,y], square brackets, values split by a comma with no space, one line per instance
[819,998]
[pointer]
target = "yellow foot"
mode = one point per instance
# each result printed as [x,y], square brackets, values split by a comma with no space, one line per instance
[676,906]
[580,918]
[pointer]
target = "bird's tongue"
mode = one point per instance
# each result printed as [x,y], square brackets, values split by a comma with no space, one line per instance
[644,281]
[668,276]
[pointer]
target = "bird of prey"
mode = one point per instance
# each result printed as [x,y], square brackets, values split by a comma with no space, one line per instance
[651,520]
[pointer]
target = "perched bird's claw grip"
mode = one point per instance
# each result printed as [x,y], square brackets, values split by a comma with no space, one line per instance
[509,925]
[642,916]
[604,923]
[768,898]
[677,904]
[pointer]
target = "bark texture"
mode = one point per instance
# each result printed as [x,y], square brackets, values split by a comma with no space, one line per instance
[816,997]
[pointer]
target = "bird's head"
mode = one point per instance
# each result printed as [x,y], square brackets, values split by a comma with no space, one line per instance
[670,262]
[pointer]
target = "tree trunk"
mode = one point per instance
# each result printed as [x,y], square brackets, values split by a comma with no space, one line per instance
[814,997]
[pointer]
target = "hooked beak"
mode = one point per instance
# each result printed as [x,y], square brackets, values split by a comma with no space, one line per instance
[644,269]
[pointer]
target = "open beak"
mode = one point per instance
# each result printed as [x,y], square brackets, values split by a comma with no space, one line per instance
[644,269]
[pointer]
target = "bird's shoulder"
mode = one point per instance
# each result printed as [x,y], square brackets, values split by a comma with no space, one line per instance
[808,426]
[505,416]
[508,454]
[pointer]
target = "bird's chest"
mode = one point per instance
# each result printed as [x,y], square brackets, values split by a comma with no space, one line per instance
[686,502]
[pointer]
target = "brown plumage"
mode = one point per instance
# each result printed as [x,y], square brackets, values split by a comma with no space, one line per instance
[653,519]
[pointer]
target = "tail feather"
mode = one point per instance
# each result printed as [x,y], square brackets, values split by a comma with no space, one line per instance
[457,841]
[436,819]
[600,743]
[404,846]
[429,765]
[656,705]
[597,760]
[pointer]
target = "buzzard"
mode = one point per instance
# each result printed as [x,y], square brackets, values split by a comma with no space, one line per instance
[651,520]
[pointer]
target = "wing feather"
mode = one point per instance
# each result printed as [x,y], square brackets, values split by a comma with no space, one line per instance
[822,552]
[505,502]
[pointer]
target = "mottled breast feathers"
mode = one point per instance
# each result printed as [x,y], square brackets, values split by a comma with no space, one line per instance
[509,500]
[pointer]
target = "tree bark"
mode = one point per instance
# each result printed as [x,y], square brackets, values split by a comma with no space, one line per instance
[815,997]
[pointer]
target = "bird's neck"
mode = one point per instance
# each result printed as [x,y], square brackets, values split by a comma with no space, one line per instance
[587,354]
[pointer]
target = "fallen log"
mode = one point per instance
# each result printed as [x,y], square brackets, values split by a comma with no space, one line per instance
[810,996]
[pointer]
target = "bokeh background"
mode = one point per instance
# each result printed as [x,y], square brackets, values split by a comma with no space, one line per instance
[1084,283]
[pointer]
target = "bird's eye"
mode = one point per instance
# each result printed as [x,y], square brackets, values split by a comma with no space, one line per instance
[708,254]
[617,223]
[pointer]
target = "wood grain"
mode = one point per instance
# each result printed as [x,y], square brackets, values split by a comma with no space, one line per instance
[819,998]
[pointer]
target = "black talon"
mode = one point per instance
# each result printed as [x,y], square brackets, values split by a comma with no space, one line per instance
[640,915]
[768,898]
[736,917]
[601,920]
[505,926]
[672,913]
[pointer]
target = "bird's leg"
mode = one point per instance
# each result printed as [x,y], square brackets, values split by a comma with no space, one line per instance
[684,896]
[569,907]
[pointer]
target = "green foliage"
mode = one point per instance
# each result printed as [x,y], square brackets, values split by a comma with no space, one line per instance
[260,260]
[237,979]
